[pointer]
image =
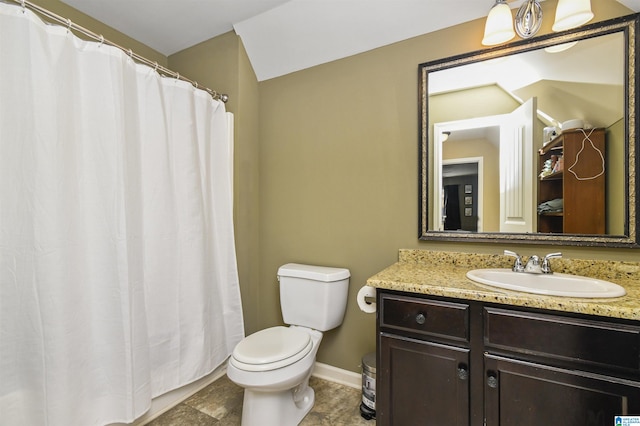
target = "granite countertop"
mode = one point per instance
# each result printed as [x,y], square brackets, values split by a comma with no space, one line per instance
[443,274]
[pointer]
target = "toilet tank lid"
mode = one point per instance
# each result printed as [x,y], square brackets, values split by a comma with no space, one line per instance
[311,272]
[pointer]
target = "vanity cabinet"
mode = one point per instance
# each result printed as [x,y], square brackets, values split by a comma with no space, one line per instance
[580,183]
[456,362]
[423,345]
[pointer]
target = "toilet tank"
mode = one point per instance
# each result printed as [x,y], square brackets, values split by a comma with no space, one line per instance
[313,296]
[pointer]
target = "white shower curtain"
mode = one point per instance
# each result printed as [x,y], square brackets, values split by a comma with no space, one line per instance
[118,277]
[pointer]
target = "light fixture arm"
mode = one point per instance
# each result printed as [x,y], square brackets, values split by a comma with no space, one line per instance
[499,27]
[528,19]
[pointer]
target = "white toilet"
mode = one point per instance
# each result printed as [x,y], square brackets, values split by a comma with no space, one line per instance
[274,365]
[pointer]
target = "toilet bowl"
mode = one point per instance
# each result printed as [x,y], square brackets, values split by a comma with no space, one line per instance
[274,365]
[280,395]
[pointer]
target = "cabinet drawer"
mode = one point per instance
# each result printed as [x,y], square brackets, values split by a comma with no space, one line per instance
[577,340]
[430,317]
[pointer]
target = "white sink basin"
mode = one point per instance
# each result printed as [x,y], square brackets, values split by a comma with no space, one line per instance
[555,284]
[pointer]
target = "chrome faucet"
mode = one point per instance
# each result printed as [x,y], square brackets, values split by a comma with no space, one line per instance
[533,265]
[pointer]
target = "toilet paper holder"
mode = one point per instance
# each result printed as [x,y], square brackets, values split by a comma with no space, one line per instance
[367,299]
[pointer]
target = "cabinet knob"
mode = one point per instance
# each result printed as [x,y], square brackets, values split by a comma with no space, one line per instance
[492,381]
[463,372]
[421,318]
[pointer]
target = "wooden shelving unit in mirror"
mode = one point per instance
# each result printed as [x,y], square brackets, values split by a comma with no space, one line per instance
[571,183]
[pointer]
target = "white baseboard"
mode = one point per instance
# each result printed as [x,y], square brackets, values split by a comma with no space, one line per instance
[337,375]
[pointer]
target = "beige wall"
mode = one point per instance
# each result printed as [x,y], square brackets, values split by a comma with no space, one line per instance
[327,168]
[339,172]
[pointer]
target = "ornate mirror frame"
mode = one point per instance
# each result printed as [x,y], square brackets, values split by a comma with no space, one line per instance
[629,26]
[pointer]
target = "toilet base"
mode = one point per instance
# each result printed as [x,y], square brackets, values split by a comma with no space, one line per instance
[284,408]
[280,397]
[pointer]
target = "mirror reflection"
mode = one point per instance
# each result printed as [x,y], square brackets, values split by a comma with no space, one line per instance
[533,142]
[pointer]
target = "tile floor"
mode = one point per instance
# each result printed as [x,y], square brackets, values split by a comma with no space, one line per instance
[220,404]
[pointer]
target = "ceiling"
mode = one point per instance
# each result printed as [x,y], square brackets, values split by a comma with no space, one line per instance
[284,36]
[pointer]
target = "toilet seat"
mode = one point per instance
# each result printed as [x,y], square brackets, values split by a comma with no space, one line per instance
[272,348]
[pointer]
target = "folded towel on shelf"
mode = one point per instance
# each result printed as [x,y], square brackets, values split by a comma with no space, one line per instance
[551,206]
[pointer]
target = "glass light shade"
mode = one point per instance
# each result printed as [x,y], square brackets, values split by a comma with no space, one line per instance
[499,26]
[572,14]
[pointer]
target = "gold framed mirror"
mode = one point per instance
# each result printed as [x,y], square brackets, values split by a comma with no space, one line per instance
[534,141]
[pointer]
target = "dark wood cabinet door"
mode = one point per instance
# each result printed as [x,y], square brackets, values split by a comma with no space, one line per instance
[528,394]
[421,383]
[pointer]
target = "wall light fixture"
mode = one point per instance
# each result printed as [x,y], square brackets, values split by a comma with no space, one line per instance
[499,27]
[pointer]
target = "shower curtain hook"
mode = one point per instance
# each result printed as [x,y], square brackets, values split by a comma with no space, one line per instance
[177,77]
[101,40]
[130,54]
[155,69]
[195,84]
[69,23]
[23,6]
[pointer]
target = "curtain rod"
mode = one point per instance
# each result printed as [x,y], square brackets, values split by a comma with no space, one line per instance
[99,37]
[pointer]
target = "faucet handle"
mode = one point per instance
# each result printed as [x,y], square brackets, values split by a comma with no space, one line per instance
[546,265]
[517,265]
